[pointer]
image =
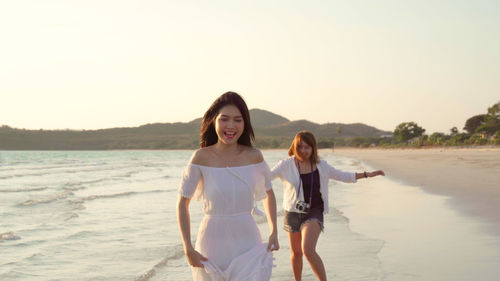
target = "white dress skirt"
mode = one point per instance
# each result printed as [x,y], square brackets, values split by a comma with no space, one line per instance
[228,235]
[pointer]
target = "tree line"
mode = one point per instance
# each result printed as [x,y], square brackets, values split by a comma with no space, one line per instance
[482,129]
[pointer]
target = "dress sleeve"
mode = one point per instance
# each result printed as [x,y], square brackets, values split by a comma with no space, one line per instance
[340,175]
[263,183]
[192,183]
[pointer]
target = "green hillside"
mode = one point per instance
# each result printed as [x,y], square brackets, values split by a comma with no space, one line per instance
[271,130]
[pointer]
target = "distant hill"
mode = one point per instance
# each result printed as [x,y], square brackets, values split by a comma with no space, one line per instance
[259,118]
[328,130]
[268,126]
[262,118]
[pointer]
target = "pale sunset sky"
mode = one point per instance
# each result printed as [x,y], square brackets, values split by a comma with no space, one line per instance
[100,64]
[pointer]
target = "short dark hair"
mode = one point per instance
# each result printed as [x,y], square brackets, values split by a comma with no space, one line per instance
[208,136]
[308,138]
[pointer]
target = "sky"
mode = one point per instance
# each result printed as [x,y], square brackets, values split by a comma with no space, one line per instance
[103,63]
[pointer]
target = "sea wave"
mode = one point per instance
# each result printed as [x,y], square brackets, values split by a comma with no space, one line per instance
[127,174]
[82,235]
[63,170]
[72,216]
[121,194]
[47,167]
[176,253]
[49,199]
[22,175]
[74,188]
[78,183]
[24,189]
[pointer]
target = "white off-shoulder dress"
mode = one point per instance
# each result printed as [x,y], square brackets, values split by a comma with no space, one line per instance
[228,235]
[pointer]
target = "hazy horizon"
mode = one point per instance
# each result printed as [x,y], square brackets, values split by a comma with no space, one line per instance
[111,63]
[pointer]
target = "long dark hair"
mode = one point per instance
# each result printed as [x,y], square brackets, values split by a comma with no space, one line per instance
[308,138]
[208,136]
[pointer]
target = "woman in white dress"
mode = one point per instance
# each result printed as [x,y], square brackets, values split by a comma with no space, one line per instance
[228,174]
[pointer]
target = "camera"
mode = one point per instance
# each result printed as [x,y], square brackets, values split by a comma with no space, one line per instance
[302,206]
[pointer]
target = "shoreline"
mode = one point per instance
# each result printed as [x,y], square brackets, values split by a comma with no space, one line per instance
[469,177]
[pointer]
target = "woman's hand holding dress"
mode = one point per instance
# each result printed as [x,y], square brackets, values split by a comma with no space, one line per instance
[194,258]
[273,244]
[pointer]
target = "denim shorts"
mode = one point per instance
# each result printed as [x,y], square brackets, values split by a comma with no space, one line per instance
[294,221]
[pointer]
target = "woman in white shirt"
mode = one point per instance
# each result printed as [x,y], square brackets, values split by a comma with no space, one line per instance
[228,174]
[305,199]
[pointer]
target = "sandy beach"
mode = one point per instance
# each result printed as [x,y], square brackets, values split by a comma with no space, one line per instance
[470,177]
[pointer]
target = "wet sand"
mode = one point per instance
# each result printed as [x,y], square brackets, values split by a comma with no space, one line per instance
[469,176]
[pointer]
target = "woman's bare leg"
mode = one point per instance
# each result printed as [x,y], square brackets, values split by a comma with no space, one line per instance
[296,254]
[310,235]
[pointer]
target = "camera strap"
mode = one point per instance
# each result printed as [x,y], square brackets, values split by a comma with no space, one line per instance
[312,182]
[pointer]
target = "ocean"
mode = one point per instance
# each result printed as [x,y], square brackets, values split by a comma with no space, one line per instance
[111,215]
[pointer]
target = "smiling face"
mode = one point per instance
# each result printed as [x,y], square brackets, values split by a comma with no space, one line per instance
[229,124]
[304,150]
[304,147]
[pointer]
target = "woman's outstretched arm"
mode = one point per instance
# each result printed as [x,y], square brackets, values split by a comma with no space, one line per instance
[369,174]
